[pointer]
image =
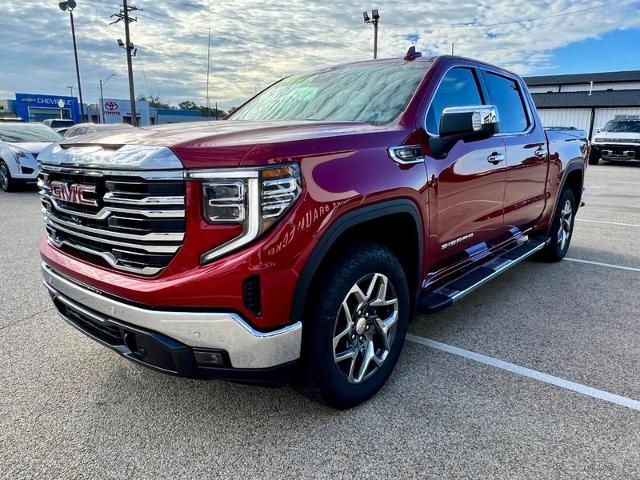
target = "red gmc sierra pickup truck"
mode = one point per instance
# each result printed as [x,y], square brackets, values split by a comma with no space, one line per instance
[296,239]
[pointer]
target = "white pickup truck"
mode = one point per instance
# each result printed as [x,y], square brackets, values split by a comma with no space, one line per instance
[619,140]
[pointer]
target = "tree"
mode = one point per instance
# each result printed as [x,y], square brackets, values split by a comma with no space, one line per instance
[154,102]
[188,105]
[202,110]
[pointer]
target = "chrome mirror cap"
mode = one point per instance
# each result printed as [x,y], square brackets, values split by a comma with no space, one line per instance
[469,121]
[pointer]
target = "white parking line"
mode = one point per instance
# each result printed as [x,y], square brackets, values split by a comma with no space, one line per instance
[600,264]
[529,373]
[608,223]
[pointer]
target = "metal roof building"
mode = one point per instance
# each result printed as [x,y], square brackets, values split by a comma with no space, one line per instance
[585,100]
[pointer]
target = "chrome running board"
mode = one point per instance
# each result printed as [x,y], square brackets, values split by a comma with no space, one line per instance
[443,296]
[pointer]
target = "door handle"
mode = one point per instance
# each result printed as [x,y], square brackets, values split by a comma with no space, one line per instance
[540,153]
[495,158]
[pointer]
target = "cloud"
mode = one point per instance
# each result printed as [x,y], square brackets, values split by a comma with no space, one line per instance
[253,43]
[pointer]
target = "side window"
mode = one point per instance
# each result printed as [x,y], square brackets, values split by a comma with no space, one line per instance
[506,96]
[458,88]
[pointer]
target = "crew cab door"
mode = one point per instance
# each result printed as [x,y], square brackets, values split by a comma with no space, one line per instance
[467,179]
[526,149]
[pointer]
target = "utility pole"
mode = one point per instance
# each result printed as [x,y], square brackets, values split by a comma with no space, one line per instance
[208,61]
[375,18]
[452,47]
[128,46]
[70,5]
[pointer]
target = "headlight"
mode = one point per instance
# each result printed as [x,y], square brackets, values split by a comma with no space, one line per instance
[19,154]
[254,198]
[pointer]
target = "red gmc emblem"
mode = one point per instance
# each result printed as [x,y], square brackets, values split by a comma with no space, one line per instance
[111,106]
[73,193]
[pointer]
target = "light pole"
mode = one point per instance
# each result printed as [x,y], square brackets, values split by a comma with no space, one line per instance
[70,5]
[375,17]
[102,96]
[70,90]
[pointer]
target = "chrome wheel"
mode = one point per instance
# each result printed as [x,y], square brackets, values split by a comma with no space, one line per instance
[365,327]
[564,230]
[4,177]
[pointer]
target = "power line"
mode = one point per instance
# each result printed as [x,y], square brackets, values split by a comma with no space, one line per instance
[170,21]
[509,22]
[260,25]
[304,41]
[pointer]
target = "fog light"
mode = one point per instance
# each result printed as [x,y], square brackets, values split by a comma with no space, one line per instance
[209,358]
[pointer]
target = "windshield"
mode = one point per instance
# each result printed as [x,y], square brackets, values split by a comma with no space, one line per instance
[373,93]
[628,126]
[28,133]
[61,123]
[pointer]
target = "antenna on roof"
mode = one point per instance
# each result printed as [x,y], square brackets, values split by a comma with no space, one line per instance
[412,54]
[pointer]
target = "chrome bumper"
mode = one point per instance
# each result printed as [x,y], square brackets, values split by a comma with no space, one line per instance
[247,347]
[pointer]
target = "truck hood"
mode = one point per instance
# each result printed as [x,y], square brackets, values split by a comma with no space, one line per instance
[617,137]
[221,143]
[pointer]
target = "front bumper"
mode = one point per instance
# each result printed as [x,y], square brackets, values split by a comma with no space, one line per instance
[617,152]
[177,341]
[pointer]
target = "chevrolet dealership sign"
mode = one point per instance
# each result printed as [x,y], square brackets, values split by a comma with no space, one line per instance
[36,107]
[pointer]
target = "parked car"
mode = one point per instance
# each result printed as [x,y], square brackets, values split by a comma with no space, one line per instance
[619,140]
[60,125]
[20,144]
[85,128]
[296,239]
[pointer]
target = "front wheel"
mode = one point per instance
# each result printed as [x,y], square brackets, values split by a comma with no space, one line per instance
[6,182]
[594,158]
[561,228]
[357,326]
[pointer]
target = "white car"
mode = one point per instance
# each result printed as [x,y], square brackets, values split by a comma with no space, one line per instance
[20,144]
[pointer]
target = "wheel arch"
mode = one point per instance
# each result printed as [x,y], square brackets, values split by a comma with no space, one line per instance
[397,216]
[573,177]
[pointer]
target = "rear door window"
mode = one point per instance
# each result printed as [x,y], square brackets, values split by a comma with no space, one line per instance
[458,88]
[506,96]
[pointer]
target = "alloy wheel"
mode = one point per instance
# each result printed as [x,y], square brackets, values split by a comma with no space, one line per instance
[564,230]
[365,327]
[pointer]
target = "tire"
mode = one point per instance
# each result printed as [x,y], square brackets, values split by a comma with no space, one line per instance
[594,159]
[353,280]
[7,183]
[561,228]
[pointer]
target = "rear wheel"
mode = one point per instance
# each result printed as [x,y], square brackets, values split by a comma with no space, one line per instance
[562,228]
[6,182]
[357,326]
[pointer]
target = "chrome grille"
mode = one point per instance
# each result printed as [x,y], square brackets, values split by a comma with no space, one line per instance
[137,224]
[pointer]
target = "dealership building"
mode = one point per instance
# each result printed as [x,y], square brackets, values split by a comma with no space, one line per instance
[587,100]
[34,107]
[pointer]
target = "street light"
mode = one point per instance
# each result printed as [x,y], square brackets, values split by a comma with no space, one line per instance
[375,17]
[101,96]
[70,5]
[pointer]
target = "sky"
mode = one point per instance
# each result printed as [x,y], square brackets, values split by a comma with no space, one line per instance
[254,43]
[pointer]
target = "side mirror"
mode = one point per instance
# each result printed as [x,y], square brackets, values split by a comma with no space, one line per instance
[469,123]
[598,130]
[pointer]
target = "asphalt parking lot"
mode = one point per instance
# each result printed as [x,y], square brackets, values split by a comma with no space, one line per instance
[69,408]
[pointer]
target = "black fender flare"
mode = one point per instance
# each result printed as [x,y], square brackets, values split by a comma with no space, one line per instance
[572,166]
[340,226]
